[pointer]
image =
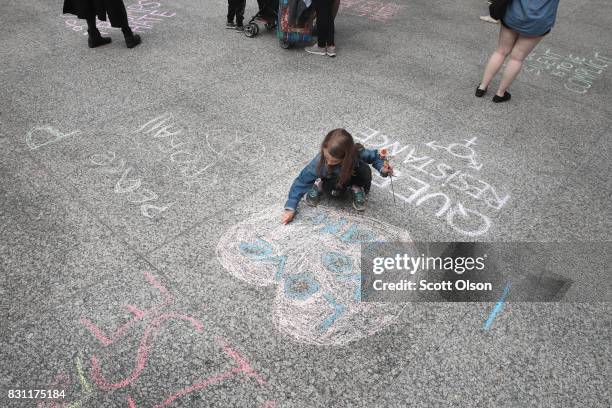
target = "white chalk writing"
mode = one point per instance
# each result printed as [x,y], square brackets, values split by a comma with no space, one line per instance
[578,73]
[40,136]
[415,170]
[371,9]
[129,185]
[193,161]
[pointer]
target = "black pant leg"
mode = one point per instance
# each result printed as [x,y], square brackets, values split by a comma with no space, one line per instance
[325,23]
[231,12]
[362,177]
[117,14]
[328,184]
[91,24]
[240,5]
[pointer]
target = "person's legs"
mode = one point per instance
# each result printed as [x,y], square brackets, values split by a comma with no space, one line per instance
[329,186]
[94,38]
[323,10]
[231,11]
[240,6]
[331,30]
[507,38]
[520,51]
[314,194]
[117,14]
[362,178]
[361,181]
[91,26]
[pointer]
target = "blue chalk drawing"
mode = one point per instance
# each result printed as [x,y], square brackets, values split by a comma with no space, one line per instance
[370,247]
[280,261]
[496,309]
[334,227]
[357,288]
[337,263]
[342,266]
[300,287]
[339,310]
[354,235]
[260,250]
[316,219]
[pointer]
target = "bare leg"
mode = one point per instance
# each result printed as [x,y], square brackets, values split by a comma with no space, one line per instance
[520,51]
[507,38]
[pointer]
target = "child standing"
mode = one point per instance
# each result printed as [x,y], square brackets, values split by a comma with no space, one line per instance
[341,164]
[235,8]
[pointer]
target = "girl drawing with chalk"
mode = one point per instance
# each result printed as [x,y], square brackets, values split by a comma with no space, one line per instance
[341,165]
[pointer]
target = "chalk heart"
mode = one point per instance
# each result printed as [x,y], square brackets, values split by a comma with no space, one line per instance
[315,264]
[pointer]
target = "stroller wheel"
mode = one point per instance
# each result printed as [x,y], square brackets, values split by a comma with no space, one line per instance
[251,30]
[270,26]
[284,44]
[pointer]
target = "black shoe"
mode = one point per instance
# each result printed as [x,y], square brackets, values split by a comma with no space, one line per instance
[96,41]
[132,40]
[498,99]
[239,27]
[230,25]
[480,92]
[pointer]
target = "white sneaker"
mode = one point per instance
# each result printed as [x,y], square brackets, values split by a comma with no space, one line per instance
[315,49]
[489,19]
[331,51]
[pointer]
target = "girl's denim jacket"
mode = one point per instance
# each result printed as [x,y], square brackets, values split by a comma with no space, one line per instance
[304,181]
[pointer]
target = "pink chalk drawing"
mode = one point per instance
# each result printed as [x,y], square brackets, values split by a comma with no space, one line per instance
[151,330]
[138,315]
[243,368]
[371,9]
[131,403]
[158,317]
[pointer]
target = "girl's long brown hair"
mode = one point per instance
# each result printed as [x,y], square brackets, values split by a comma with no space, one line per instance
[340,145]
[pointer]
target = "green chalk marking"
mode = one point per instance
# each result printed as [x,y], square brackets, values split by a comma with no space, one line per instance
[84,385]
[79,367]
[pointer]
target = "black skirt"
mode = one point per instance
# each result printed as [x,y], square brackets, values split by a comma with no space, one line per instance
[114,9]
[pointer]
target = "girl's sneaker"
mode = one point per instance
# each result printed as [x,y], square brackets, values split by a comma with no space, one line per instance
[330,51]
[359,200]
[230,25]
[313,197]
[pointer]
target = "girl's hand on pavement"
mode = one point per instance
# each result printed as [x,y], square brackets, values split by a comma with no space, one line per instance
[287,216]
